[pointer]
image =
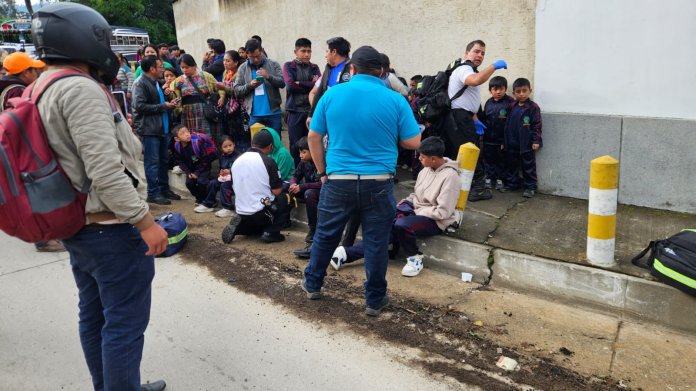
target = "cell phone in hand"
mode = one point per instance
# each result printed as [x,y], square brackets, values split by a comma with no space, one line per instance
[259,78]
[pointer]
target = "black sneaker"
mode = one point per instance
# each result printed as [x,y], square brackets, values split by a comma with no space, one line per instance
[310,295]
[230,229]
[159,200]
[506,189]
[172,196]
[499,185]
[305,252]
[375,311]
[159,385]
[485,194]
[528,193]
[272,237]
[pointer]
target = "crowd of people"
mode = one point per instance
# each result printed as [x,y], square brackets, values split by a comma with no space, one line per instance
[172,102]
[347,127]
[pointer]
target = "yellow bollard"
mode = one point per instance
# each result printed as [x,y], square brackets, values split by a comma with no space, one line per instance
[255,129]
[467,158]
[601,219]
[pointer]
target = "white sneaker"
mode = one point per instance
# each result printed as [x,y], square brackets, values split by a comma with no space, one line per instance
[224,213]
[177,170]
[339,257]
[414,264]
[203,209]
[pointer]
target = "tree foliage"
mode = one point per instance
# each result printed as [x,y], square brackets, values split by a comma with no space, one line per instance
[155,16]
[8,10]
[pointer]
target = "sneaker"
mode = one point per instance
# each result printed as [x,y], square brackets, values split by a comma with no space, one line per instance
[528,193]
[414,265]
[338,258]
[488,184]
[506,189]
[170,195]
[224,212]
[177,170]
[485,194]
[159,385]
[272,237]
[499,184]
[404,166]
[375,311]
[304,252]
[203,209]
[230,229]
[159,200]
[310,295]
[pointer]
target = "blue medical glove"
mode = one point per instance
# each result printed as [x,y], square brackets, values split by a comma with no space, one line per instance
[500,64]
[480,127]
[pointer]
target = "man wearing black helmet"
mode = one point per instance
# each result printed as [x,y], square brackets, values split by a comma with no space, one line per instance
[112,256]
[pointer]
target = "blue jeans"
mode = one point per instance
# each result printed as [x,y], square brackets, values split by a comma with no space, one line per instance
[374,202]
[273,121]
[113,278]
[156,163]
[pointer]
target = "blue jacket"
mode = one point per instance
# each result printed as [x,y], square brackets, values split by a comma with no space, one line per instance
[523,127]
[495,117]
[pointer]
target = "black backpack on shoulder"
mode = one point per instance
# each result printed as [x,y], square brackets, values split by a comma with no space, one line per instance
[432,99]
[672,260]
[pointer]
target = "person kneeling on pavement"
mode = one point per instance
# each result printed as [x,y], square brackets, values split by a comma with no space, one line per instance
[260,204]
[425,212]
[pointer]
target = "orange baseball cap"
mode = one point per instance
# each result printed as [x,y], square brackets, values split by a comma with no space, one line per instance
[19,62]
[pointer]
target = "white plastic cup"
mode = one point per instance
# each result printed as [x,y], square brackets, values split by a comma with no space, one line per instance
[467,277]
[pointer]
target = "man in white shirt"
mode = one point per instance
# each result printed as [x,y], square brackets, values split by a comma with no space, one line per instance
[463,125]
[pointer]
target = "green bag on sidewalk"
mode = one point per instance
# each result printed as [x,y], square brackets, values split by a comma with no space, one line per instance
[672,260]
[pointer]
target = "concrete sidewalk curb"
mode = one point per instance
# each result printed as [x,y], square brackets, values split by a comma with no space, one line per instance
[621,294]
[617,293]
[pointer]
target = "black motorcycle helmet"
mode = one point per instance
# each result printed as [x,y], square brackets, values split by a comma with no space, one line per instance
[74,32]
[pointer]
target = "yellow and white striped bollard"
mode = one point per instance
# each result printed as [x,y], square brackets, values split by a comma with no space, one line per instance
[601,219]
[467,158]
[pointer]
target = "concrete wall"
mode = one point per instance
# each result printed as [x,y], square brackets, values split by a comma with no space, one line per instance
[616,57]
[416,44]
[656,158]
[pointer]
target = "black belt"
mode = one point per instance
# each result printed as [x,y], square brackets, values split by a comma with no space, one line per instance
[191,99]
[471,114]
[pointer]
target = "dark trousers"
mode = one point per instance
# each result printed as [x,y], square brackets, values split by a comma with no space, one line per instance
[226,193]
[516,161]
[458,129]
[374,202]
[494,161]
[406,228]
[113,277]
[311,197]
[199,186]
[297,128]
[156,162]
[268,219]
[273,121]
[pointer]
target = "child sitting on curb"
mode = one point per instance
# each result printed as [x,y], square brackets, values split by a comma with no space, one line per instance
[305,184]
[223,183]
[194,153]
[425,212]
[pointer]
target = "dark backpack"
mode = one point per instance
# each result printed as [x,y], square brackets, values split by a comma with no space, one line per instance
[37,200]
[177,232]
[672,260]
[201,143]
[432,99]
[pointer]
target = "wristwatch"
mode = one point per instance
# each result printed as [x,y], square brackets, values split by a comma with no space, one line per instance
[321,174]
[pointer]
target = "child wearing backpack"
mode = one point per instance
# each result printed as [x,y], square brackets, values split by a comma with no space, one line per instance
[522,140]
[195,153]
[223,183]
[495,116]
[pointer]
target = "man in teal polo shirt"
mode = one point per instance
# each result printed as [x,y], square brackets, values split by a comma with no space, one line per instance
[357,170]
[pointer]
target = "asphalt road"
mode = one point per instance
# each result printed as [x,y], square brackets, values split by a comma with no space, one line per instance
[204,335]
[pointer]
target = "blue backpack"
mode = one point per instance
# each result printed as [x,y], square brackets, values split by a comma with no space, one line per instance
[177,231]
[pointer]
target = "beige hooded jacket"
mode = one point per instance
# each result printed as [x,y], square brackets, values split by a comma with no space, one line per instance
[436,193]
